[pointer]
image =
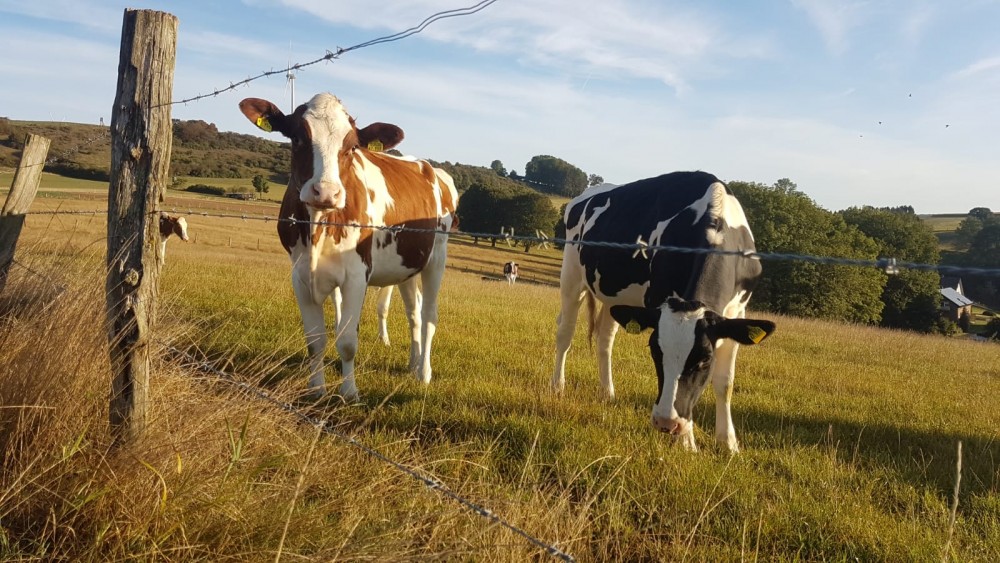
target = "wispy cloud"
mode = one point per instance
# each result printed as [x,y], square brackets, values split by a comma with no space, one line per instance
[613,38]
[95,15]
[978,67]
[834,19]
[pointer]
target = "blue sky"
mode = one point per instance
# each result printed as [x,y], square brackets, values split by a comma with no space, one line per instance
[622,88]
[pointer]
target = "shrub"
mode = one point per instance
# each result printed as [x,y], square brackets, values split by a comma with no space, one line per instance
[204,189]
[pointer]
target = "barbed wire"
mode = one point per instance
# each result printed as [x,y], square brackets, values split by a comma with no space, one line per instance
[887,265]
[105,132]
[428,481]
[333,55]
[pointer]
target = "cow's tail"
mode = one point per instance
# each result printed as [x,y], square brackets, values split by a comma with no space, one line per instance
[591,317]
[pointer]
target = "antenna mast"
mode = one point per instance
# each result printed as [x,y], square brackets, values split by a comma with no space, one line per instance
[290,77]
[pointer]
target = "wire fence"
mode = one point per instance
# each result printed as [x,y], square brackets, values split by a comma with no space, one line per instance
[334,55]
[888,265]
[423,478]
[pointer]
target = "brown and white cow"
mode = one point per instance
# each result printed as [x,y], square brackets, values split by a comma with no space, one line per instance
[336,178]
[510,272]
[170,225]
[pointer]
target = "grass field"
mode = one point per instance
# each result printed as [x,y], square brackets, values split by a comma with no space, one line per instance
[849,433]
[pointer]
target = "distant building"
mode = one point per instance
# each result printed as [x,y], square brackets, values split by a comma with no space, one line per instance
[954,282]
[954,304]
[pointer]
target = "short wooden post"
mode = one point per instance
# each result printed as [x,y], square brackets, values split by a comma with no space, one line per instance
[22,193]
[141,139]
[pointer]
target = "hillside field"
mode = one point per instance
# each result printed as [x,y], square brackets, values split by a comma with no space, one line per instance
[849,434]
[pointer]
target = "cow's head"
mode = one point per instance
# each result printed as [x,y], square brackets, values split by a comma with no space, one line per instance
[170,225]
[685,335]
[324,141]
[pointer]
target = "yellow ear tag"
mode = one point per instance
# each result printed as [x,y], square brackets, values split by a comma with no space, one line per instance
[376,146]
[756,334]
[264,124]
[632,327]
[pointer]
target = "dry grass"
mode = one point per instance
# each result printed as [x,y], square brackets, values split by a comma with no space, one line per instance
[848,432]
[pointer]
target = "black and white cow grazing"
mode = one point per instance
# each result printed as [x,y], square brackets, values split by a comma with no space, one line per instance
[695,303]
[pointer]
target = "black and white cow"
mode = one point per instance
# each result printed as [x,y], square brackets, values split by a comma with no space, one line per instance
[694,302]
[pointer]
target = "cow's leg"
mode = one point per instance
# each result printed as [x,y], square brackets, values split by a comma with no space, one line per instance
[384,295]
[723,372]
[353,292]
[338,303]
[571,298]
[314,328]
[606,329]
[410,293]
[430,279]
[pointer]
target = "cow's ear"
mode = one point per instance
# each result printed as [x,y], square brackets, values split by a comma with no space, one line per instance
[635,319]
[265,115]
[744,331]
[379,137]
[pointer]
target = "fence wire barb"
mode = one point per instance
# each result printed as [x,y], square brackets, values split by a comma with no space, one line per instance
[333,55]
[429,481]
[890,266]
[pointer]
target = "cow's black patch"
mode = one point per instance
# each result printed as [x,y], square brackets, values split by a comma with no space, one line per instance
[633,211]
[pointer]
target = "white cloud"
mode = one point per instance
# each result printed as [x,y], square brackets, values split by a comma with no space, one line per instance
[95,15]
[616,38]
[834,19]
[978,67]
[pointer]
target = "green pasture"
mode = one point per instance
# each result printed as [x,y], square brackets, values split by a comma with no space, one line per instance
[849,434]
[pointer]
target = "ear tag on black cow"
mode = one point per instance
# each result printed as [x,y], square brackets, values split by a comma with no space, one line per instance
[632,327]
[264,124]
[756,334]
[376,146]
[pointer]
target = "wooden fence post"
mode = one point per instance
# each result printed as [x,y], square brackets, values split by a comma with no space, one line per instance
[141,138]
[22,193]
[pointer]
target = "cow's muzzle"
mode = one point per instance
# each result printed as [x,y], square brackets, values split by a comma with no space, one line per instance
[324,196]
[675,426]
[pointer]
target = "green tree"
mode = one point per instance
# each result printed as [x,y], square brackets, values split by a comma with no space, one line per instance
[554,175]
[967,231]
[911,298]
[486,208]
[785,220]
[594,180]
[497,167]
[981,213]
[260,185]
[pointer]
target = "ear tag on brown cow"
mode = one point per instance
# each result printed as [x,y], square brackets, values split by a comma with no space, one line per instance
[632,327]
[264,124]
[756,334]
[376,146]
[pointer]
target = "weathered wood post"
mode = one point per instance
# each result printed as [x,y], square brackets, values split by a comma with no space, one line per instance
[141,138]
[22,193]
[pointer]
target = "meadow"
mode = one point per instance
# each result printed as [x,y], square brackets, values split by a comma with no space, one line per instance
[848,433]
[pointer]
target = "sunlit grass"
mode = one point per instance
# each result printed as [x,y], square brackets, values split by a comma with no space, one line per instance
[848,433]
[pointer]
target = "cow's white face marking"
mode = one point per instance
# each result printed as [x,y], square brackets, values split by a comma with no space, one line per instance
[676,338]
[329,126]
[182,228]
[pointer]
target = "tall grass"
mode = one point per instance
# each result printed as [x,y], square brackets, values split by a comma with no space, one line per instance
[848,433]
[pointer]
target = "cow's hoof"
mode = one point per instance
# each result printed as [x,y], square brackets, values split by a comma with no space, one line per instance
[728,444]
[686,441]
[424,376]
[350,395]
[315,394]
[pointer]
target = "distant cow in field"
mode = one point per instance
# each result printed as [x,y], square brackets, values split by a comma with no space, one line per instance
[695,303]
[170,225]
[338,176]
[510,272]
